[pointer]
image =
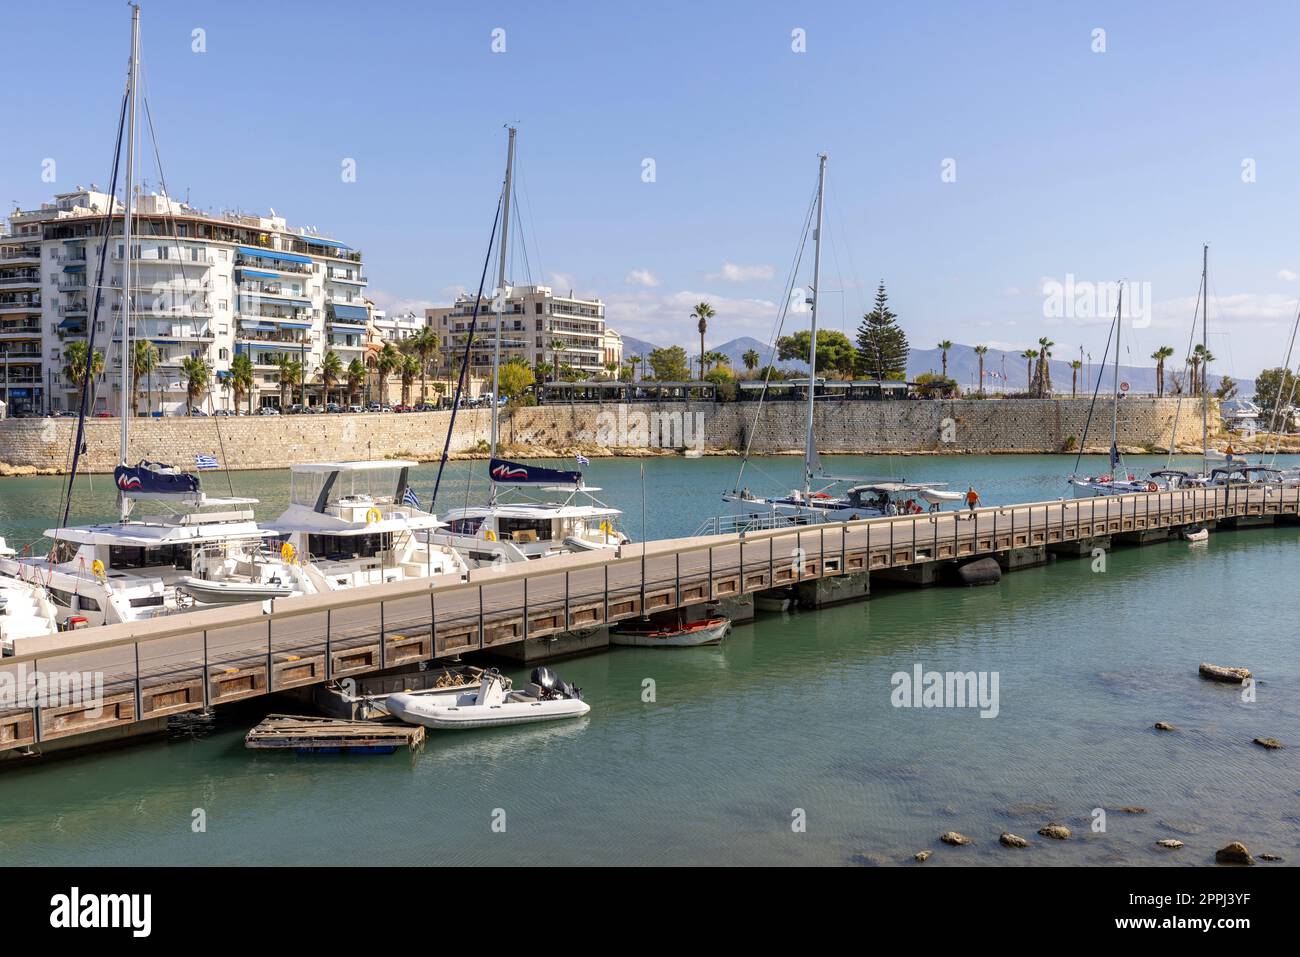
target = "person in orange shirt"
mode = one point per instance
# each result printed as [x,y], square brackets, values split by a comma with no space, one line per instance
[972,498]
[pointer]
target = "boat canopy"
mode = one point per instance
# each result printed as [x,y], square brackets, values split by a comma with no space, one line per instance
[154,478]
[514,473]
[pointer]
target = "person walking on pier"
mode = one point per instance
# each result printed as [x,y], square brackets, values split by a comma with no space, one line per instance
[972,498]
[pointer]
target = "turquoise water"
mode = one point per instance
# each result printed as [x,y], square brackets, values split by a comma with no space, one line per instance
[792,712]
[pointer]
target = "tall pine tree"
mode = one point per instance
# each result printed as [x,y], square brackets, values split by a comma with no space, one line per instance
[882,344]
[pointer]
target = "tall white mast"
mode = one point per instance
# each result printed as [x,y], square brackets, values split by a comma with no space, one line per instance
[124,503]
[500,304]
[1205,375]
[1114,414]
[809,449]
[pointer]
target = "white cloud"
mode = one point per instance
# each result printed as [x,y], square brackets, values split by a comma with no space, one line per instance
[395,304]
[642,277]
[1286,275]
[665,318]
[734,272]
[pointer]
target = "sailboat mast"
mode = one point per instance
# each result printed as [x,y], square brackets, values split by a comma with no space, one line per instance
[1205,376]
[501,287]
[809,450]
[124,504]
[1114,414]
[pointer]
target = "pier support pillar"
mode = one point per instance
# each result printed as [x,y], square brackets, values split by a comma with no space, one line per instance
[832,591]
[1080,547]
[739,608]
[1026,557]
[922,574]
[1247,521]
[533,651]
[1146,536]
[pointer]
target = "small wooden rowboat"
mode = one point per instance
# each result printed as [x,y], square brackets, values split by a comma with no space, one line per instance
[709,631]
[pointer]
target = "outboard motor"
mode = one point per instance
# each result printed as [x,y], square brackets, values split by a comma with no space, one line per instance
[552,686]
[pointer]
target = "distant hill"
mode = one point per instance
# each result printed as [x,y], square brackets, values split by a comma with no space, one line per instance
[637,347]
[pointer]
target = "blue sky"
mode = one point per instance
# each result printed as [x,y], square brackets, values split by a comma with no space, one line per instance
[1068,161]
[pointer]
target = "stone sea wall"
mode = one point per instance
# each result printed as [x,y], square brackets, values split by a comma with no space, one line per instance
[958,426]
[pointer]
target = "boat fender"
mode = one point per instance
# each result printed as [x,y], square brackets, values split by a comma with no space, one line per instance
[97,568]
[490,535]
[287,552]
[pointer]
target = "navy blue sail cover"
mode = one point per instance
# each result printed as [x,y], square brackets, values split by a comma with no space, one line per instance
[154,478]
[513,473]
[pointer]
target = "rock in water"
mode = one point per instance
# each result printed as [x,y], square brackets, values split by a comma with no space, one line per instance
[1170,842]
[1131,809]
[1013,840]
[1165,726]
[1220,673]
[982,571]
[952,837]
[923,856]
[1271,743]
[1270,857]
[1057,832]
[1234,853]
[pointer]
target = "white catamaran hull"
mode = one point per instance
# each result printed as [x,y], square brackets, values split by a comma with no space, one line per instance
[228,593]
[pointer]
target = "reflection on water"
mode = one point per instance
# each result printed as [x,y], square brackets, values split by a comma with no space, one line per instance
[790,713]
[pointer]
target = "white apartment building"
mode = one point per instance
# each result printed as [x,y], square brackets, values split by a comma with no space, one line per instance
[205,285]
[537,326]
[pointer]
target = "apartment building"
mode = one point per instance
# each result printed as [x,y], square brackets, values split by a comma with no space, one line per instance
[536,326]
[205,286]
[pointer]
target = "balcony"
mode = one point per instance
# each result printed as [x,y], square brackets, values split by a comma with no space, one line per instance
[149,257]
[275,266]
[70,258]
[279,339]
[357,278]
[72,285]
[20,254]
[32,278]
[24,330]
[20,304]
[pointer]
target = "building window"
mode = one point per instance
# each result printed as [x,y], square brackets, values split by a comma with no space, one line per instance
[223,354]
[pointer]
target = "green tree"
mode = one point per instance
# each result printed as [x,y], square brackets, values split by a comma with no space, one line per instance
[424,344]
[632,362]
[1042,384]
[944,346]
[981,352]
[834,351]
[670,364]
[702,314]
[882,344]
[1075,366]
[751,358]
[241,378]
[1029,355]
[1160,355]
[290,376]
[144,359]
[1226,390]
[331,372]
[356,379]
[74,361]
[1276,387]
[515,379]
[385,364]
[409,369]
[197,375]
[1201,359]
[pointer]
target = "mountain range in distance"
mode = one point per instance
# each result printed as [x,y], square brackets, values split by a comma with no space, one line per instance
[963,366]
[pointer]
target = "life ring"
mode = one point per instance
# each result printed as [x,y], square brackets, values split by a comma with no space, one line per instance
[372,516]
[1152,487]
[1104,478]
[97,568]
[490,535]
[287,552]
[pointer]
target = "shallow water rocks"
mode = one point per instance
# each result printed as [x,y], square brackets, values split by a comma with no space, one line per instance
[954,838]
[1270,857]
[1057,832]
[1220,673]
[1170,842]
[1272,744]
[1234,853]
[923,856]
[1131,809]
[1012,840]
[1165,726]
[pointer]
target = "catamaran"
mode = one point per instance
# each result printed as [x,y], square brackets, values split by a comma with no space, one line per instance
[825,497]
[511,526]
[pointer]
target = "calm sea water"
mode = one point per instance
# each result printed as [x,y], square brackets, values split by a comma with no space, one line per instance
[790,717]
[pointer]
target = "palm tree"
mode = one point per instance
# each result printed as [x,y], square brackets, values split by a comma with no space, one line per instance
[1029,355]
[751,358]
[197,375]
[409,368]
[1202,357]
[144,359]
[558,346]
[1160,355]
[356,377]
[702,314]
[290,376]
[424,344]
[943,349]
[385,363]
[633,361]
[718,359]
[1075,366]
[981,351]
[241,378]
[1194,361]
[74,361]
[331,372]
[1044,368]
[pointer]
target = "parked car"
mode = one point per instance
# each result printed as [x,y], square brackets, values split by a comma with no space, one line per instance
[355,408]
[333,407]
[426,407]
[267,410]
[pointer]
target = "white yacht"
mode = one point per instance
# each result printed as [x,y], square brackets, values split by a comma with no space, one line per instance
[347,524]
[25,611]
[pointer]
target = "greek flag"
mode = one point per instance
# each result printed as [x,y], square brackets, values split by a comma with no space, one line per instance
[582,460]
[206,463]
[409,498]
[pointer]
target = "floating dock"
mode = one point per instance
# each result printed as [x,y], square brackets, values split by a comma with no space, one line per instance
[151,669]
[280,732]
